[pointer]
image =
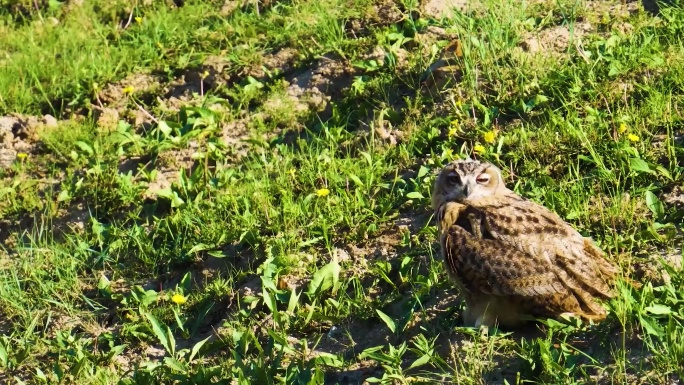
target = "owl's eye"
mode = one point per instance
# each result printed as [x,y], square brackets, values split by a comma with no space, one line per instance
[454,178]
[482,178]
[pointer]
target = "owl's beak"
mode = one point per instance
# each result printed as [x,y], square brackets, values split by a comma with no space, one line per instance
[466,188]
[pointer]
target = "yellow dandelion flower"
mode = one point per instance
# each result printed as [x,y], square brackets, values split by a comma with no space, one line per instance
[22,155]
[292,172]
[489,136]
[179,299]
[622,128]
[128,90]
[323,192]
[454,128]
[479,149]
[205,74]
[633,138]
[138,19]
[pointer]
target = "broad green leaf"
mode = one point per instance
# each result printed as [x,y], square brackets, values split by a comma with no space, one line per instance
[329,360]
[63,196]
[104,285]
[174,364]
[4,357]
[294,300]
[373,353]
[199,247]
[165,128]
[639,165]
[325,278]
[654,204]
[664,172]
[269,300]
[422,172]
[85,147]
[196,348]
[116,350]
[356,180]
[163,333]
[658,309]
[186,282]
[424,359]
[388,320]
[651,326]
[415,195]
[171,195]
[368,157]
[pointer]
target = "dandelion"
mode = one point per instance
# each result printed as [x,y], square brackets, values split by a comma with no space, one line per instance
[479,149]
[128,90]
[179,299]
[453,128]
[633,138]
[205,74]
[622,128]
[292,172]
[323,192]
[22,155]
[138,19]
[489,136]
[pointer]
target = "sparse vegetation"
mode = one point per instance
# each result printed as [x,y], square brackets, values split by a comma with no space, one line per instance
[210,192]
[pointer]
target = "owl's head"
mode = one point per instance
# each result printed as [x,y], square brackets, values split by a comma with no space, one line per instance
[464,180]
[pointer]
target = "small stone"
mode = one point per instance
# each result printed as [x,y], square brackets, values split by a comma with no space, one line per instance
[49,121]
[7,157]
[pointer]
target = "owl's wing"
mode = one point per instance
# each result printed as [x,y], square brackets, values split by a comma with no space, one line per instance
[536,230]
[491,267]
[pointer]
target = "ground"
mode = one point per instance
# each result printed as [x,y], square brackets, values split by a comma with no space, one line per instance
[237,192]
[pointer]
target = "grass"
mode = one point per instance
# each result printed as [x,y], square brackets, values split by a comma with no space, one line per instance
[272,223]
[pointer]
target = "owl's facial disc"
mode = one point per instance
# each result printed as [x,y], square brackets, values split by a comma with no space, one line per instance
[462,181]
[467,186]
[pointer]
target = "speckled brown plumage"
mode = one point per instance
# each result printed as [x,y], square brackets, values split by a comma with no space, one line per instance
[512,258]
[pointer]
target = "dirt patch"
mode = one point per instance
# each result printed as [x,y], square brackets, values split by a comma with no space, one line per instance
[675,198]
[72,219]
[115,95]
[382,13]
[169,165]
[19,133]
[555,40]
[107,118]
[197,81]
[273,64]
[230,6]
[443,8]
[315,87]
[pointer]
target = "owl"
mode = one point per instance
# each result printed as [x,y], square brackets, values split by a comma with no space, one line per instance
[514,260]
